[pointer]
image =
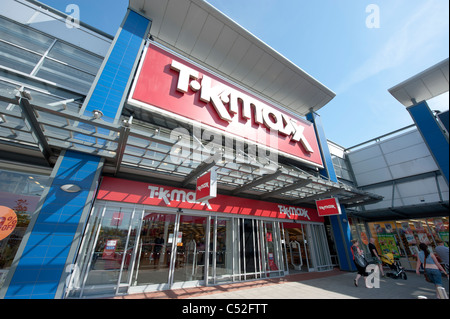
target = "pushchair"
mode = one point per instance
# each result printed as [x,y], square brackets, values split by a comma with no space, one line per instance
[395,265]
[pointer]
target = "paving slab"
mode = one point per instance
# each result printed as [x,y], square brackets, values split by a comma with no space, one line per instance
[334,284]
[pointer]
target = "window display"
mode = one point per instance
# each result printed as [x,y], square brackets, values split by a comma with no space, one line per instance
[402,237]
[19,194]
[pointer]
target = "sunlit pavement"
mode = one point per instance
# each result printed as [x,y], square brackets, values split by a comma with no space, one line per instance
[333,284]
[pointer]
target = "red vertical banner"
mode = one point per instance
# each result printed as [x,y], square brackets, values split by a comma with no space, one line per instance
[206,186]
[328,207]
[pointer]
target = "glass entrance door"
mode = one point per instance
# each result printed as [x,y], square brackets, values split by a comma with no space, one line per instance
[155,248]
[274,261]
[107,253]
[137,249]
[249,252]
[223,248]
[322,259]
[297,247]
[190,250]
[171,251]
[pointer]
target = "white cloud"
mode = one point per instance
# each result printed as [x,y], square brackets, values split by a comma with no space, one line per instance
[418,35]
[439,102]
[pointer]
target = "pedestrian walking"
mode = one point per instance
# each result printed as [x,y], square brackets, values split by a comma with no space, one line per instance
[376,258]
[360,263]
[432,268]
[442,253]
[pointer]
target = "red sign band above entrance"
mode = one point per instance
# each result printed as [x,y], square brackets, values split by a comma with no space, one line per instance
[169,85]
[119,190]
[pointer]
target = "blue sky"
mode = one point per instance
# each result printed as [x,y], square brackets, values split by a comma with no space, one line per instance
[330,40]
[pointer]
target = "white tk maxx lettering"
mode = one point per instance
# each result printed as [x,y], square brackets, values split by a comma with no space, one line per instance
[178,195]
[220,95]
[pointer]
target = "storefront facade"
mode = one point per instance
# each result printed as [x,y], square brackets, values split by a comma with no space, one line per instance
[409,168]
[137,242]
[121,141]
[401,237]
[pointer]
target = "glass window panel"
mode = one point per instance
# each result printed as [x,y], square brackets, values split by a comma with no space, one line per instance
[136,151]
[154,249]
[13,122]
[65,76]
[272,258]
[224,250]
[191,249]
[183,170]
[110,249]
[20,192]
[17,59]
[71,103]
[7,90]
[23,36]
[75,57]
[130,159]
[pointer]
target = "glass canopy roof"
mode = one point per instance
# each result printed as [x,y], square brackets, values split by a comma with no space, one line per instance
[33,120]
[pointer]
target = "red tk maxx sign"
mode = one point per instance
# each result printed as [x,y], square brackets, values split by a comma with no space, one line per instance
[328,207]
[170,85]
[206,186]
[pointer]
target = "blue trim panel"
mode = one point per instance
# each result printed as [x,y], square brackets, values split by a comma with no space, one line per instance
[43,260]
[328,169]
[432,134]
[113,81]
[341,228]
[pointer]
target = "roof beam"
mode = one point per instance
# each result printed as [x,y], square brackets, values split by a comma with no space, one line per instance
[296,185]
[202,168]
[354,202]
[257,182]
[396,212]
[33,124]
[329,193]
[121,145]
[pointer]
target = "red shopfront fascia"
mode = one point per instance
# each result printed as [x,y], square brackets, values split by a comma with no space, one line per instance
[125,191]
[158,87]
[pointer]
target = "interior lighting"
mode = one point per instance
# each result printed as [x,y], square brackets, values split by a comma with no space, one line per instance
[97,114]
[71,188]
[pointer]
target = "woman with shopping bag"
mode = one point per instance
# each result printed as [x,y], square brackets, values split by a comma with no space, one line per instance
[360,263]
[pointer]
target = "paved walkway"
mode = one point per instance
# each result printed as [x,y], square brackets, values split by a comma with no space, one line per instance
[333,284]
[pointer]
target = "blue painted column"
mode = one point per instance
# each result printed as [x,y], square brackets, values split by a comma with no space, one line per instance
[339,223]
[44,255]
[434,137]
[52,239]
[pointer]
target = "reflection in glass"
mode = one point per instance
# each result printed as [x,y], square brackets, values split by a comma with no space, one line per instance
[109,251]
[20,192]
[154,249]
[221,260]
[191,249]
[297,246]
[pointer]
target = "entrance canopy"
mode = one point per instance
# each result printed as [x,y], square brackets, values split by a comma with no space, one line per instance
[40,127]
[36,127]
[423,86]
